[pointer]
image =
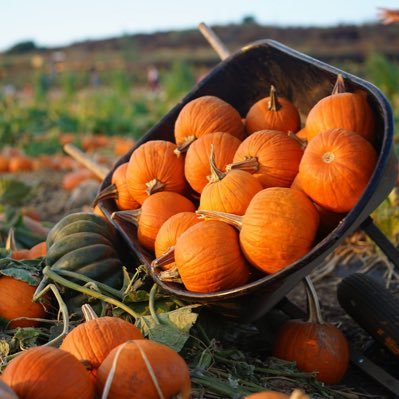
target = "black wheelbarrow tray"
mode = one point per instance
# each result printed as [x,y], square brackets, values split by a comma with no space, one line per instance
[241,80]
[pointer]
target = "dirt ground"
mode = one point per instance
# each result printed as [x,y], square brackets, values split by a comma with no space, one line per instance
[53,202]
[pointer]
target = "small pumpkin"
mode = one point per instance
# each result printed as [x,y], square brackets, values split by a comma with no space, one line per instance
[143,369]
[296,394]
[90,342]
[315,346]
[272,156]
[45,372]
[336,168]
[154,167]
[228,192]
[171,230]
[204,115]
[341,109]
[6,392]
[273,113]
[156,210]
[122,145]
[20,163]
[4,164]
[196,166]
[118,190]
[72,179]
[271,230]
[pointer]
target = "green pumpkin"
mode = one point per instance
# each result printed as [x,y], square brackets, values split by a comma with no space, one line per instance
[85,243]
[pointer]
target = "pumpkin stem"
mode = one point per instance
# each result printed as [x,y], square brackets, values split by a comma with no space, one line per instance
[216,174]
[298,394]
[108,193]
[154,186]
[314,313]
[171,275]
[339,86]
[249,164]
[151,304]
[229,218]
[303,143]
[130,216]
[183,148]
[88,312]
[10,241]
[165,259]
[274,105]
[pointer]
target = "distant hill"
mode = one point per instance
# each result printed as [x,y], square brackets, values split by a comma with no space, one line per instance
[132,53]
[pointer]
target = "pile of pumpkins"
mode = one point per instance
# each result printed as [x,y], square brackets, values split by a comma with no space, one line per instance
[233,195]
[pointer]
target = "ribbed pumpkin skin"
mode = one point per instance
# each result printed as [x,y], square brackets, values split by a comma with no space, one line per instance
[335,169]
[46,373]
[132,379]
[155,160]
[267,395]
[196,167]
[314,347]
[155,211]
[278,228]
[92,340]
[6,392]
[124,201]
[259,117]
[209,259]
[278,156]
[172,229]
[16,301]
[232,194]
[348,111]
[207,114]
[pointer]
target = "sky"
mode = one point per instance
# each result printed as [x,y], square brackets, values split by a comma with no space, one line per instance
[54,23]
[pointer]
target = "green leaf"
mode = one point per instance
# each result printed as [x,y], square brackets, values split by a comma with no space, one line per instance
[26,337]
[4,348]
[169,336]
[13,192]
[27,270]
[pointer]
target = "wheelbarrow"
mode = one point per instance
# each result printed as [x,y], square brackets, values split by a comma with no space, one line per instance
[241,79]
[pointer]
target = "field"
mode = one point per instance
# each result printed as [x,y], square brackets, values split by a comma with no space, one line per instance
[102,103]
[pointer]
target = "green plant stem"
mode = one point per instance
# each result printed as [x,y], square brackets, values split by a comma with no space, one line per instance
[151,303]
[51,274]
[216,386]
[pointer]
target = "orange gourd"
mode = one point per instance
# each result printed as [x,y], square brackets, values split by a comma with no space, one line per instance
[20,163]
[196,166]
[72,179]
[90,342]
[154,167]
[38,250]
[209,259]
[341,109]
[207,114]
[143,369]
[335,169]
[296,394]
[228,192]
[4,164]
[273,113]
[122,145]
[272,233]
[315,346]
[45,372]
[272,156]
[156,210]
[118,190]
[171,230]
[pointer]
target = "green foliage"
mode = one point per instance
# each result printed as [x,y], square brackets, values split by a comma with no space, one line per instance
[179,80]
[22,47]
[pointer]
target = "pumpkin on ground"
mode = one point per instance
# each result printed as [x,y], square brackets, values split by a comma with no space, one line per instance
[154,167]
[272,157]
[315,346]
[336,168]
[204,115]
[44,372]
[196,165]
[143,369]
[296,394]
[273,113]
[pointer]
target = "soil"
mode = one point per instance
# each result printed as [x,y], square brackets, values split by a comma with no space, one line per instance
[356,254]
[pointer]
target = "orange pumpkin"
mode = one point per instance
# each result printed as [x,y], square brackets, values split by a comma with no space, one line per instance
[122,145]
[267,395]
[315,346]
[154,167]
[228,192]
[72,179]
[341,109]
[272,234]
[156,210]
[118,190]
[4,164]
[45,372]
[90,342]
[209,259]
[196,166]
[273,113]
[143,369]
[171,230]
[335,169]
[273,157]
[207,114]
[38,250]
[20,163]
